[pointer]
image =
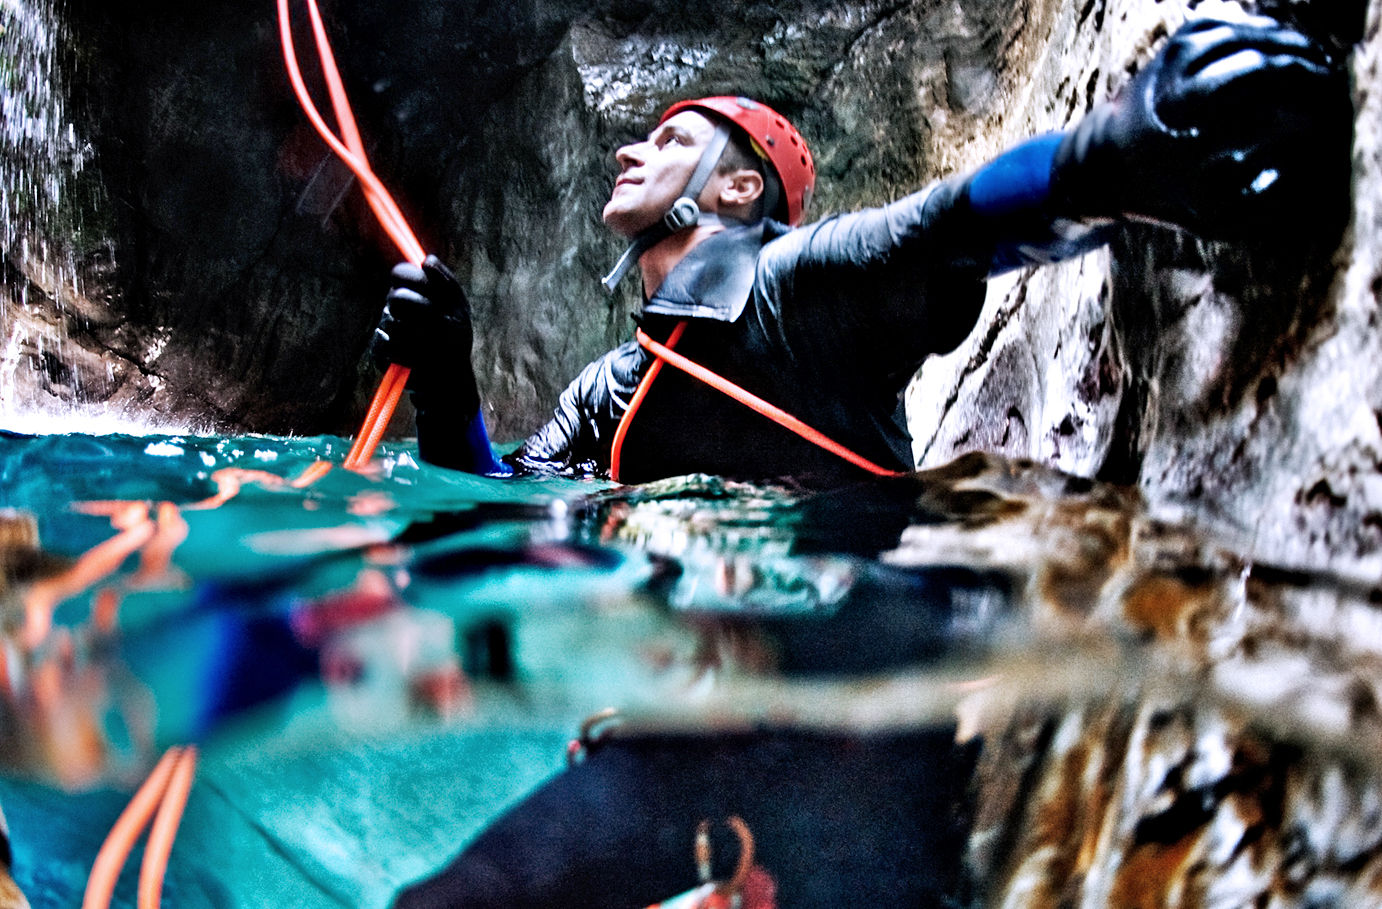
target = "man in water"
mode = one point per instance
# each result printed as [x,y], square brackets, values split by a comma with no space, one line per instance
[1234,130]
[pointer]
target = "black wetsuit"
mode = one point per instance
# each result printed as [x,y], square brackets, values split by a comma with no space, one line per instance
[828,322]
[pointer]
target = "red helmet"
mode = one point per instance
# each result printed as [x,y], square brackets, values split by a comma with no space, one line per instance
[777,139]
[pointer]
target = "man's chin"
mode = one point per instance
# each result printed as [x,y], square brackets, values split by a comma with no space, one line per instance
[626,224]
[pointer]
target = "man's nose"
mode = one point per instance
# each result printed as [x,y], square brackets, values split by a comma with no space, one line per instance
[631,155]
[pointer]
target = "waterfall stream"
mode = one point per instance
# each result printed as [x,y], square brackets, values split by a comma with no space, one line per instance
[39,155]
[48,381]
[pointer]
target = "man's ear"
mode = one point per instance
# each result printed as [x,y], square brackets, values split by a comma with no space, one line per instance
[740,188]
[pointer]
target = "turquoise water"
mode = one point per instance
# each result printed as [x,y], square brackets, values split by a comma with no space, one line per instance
[374,665]
[308,796]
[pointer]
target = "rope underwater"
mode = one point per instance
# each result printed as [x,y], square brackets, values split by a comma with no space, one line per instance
[166,789]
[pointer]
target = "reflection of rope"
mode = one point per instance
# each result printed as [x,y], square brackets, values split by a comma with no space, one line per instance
[155,537]
[137,530]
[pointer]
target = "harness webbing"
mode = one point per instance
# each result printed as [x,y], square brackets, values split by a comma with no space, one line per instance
[665,354]
[617,446]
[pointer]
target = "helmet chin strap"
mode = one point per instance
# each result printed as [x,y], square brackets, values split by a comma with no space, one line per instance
[684,214]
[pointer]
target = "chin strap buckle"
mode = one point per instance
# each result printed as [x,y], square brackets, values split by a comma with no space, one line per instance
[685,213]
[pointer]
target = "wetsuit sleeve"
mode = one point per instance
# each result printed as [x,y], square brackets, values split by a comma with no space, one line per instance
[588,411]
[448,438]
[1005,215]
[872,288]
[914,271]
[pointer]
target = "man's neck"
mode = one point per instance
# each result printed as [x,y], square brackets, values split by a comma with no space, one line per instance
[658,262]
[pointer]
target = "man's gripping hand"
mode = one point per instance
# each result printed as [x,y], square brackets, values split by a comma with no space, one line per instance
[426,326]
[1233,130]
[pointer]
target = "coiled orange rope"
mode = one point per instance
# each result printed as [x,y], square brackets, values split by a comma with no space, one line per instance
[351,150]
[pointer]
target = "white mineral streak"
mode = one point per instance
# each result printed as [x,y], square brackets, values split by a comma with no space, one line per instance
[634,74]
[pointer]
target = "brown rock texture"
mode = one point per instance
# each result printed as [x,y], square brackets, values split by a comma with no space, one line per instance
[1216,741]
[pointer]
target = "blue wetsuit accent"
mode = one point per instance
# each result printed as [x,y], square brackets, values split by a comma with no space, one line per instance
[1012,194]
[448,438]
[481,452]
[1017,180]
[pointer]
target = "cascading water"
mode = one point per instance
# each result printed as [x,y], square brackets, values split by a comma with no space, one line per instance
[39,152]
[49,380]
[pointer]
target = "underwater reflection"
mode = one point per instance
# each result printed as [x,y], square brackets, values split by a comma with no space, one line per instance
[378,601]
[1051,620]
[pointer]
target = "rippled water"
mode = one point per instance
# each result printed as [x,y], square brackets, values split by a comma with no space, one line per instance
[376,665]
[391,626]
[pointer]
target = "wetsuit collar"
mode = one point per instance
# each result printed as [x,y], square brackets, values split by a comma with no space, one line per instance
[715,278]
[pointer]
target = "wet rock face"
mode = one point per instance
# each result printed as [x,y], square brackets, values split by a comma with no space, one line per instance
[1171,725]
[1226,381]
[227,273]
[233,275]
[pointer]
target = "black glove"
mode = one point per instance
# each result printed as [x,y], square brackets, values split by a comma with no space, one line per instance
[426,326]
[1233,130]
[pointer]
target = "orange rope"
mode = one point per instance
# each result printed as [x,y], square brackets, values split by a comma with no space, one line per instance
[616,447]
[351,150]
[315,471]
[105,610]
[96,563]
[166,790]
[381,409]
[156,557]
[776,414]
[373,432]
[165,830]
[100,885]
[228,482]
[380,200]
[340,104]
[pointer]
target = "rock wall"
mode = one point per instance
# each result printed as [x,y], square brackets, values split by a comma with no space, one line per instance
[226,274]
[1228,383]
[229,276]
[223,272]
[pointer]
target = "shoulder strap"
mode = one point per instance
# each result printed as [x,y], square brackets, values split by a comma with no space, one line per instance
[665,354]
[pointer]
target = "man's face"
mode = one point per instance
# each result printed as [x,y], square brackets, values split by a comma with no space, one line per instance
[654,172]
